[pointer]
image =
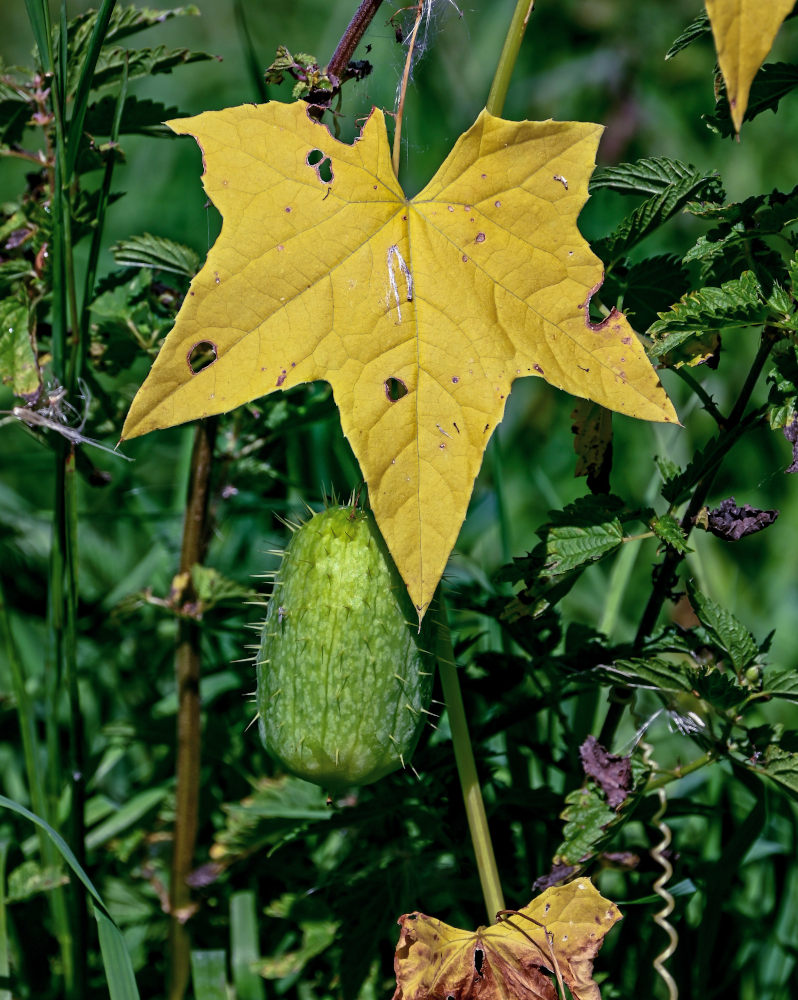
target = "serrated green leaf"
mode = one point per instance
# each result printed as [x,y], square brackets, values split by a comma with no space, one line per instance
[140,116]
[139,63]
[780,765]
[652,672]
[663,204]
[771,83]
[650,175]
[696,29]
[783,381]
[570,546]
[736,303]
[668,530]
[730,634]
[158,253]
[780,301]
[781,684]
[586,816]
[18,366]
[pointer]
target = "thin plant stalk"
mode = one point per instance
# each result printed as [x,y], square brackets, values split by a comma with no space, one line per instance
[187,673]
[400,111]
[665,573]
[509,54]
[467,772]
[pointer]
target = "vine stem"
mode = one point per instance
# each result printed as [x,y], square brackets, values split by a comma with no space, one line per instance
[467,771]
[350,39]
[665,573]
[509,54]
[187,673]
[667,570]
[400,111]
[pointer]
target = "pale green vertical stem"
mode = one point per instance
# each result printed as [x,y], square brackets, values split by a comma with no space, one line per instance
[467,770]
[509,53]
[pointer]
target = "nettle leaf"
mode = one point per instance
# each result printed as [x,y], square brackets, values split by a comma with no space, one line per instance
[113,63]
[124,21]
[420,312]
[560,931]
[783,381]
[695,30]
[140,116]
[652,175]
[744,32]
[779,764]
[587,816]
[585,531]
[771,83]
[780,684]
[158,253]
[668,530]
[653,213]
[582,533]
[654,672]
[18,366]
[729,633]
[736,303]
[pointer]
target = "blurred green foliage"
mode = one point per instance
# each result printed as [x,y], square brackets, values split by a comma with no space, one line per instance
[326,885]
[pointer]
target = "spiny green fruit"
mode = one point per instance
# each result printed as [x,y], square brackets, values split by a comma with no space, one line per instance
[344,676]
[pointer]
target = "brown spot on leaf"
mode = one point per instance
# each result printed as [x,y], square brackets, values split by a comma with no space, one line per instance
[480,238]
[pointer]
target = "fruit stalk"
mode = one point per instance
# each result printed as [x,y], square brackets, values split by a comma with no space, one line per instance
[467,771]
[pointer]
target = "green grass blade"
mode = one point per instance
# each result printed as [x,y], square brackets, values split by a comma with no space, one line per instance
[85,83]
[244,949]
[208,974]
[118,968]
[39,17]
[116,960]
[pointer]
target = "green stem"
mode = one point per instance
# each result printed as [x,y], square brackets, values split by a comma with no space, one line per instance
[467,771]
[187,673]
[509,53]
[665,778]
[665,573]
[99,224]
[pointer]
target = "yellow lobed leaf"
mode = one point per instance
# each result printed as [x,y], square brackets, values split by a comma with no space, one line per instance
[744,32]
[419,312]
[561,931]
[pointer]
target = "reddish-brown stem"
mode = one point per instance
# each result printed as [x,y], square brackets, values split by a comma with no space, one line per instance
[187,671]
[350,39]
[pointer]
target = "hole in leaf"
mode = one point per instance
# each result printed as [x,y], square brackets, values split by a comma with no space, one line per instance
[201,356]
[321,164]
[395,389]
[478,957]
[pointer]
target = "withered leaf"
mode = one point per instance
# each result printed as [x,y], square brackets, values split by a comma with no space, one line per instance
[559,932]
[733,523]
[613,773]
